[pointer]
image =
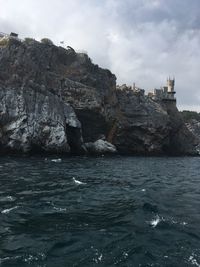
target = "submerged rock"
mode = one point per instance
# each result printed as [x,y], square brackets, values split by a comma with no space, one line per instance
[101,147]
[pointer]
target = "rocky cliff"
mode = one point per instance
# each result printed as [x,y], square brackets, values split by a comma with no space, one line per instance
[192,122]
[56,100]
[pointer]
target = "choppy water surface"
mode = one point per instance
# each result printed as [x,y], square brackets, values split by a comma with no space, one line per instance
[120,211]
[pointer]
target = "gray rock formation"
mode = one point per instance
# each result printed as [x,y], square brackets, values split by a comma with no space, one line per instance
[54,99]
[31,120]
[142,125]
[101,147]
[194,127]
[182,141]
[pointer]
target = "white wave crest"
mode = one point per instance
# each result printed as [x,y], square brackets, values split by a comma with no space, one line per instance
[194,261]
[154,222]
[59,209]
[7,199]
[6,211]
[56,160]
[77,181]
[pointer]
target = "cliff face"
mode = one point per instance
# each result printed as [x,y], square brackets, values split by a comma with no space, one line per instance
[54,99]
[31,120]
[193,126]
[143,124]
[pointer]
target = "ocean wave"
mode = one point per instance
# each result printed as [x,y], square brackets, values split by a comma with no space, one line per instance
[155,221]
[168,221]
[77,181]
[5,259]
[98,255]
[56,160]
[7,199]
[193,261]
[30,258]
[24,258]
[59,209]
[6,211]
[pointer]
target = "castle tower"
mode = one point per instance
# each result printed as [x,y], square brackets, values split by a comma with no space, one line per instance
[170,85]
[169,92]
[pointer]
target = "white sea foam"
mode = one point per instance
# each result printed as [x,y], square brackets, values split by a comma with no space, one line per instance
[157,219]
[10,198]
[173,221]
[154,222]
[59,209]
[6,211]
[184,223]
[7,199]
[100,257]
[77,181]
[193,261]
[56,160]
[2,260]
[30,258]
[125,254]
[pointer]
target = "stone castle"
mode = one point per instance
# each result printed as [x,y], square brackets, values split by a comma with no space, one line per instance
[165,93]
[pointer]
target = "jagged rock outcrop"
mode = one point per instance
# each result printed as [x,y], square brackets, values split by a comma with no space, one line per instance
[193,126]
[65,73]
[142,124]
[182,141]
[32,118]
[149,127]
[33,121]
[55,100]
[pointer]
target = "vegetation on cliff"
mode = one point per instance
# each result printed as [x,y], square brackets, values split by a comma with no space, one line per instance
[190,115]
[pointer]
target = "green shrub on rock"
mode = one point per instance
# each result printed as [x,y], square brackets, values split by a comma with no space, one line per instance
[190,115]
[29,40]
[46,41]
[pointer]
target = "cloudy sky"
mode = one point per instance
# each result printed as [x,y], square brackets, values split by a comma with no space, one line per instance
[141,41]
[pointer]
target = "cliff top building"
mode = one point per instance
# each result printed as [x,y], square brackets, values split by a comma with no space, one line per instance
[165,93]
[11,35]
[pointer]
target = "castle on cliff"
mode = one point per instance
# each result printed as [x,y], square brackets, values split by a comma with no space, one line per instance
[165,93]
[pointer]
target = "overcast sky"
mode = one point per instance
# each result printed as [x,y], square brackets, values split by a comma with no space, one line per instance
[141,41]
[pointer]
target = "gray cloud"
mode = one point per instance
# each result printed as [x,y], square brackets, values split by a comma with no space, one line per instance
[141,41]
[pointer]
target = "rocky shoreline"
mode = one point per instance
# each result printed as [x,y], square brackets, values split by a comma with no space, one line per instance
[54,100]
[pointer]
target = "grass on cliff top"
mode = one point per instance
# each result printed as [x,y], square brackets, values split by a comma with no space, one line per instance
[190,115]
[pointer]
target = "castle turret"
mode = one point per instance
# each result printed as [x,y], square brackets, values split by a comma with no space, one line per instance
[169,93]
[165,93]
[170,85]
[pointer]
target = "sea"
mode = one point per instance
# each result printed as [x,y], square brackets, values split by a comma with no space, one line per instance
[99,211]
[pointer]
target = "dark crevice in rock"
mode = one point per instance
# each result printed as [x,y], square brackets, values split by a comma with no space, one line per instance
[93,124]
[74,138]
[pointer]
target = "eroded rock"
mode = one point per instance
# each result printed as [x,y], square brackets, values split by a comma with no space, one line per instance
[100,147]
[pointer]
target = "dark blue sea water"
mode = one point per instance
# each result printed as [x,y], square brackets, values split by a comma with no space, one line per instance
[122,211]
